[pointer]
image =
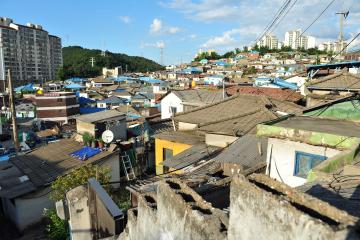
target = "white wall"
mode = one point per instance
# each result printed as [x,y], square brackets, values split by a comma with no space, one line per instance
[283,159]
[171,100]
[219,140]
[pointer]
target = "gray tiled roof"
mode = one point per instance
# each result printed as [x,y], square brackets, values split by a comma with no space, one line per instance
[340,81]
[199,96]
[238,114]
[46,163]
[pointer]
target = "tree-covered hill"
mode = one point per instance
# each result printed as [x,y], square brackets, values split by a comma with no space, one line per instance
[76,62]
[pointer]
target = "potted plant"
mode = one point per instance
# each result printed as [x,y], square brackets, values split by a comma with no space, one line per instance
[93,142]
[86,138]
[101,143]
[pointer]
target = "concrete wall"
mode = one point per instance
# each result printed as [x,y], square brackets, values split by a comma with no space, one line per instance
[275,211]
[119,130]
[283,159]
[114,164]
[171,100]
[80,225]
[260,208]
[183,126]
[219,140]
[175,212]
[83,127]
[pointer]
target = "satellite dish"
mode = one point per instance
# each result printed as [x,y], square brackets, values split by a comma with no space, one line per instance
[107,136]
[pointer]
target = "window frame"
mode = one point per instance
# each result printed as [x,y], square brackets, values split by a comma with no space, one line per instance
[310,164]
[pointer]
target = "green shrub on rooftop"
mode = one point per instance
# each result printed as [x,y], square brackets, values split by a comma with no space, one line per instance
[79,177]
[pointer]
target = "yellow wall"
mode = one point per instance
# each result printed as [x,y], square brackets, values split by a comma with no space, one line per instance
[160,145]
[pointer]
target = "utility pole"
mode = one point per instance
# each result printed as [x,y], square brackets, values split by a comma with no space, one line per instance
[13,112]
[92,61]
[343,15]
[161,55]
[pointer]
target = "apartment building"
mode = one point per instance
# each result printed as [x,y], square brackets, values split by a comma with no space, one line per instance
[270,41]
[334,47]
[57,106]
[295,40]
[29,52]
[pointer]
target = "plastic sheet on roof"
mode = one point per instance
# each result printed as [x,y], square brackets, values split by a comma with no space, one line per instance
[85,153]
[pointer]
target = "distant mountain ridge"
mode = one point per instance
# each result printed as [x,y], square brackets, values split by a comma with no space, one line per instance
[76,62]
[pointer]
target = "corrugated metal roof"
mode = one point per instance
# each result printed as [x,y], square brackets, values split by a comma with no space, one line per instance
[245,151]
[101,116]
[191,156]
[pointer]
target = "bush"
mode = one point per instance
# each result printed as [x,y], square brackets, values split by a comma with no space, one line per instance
[76,178]
[57,229]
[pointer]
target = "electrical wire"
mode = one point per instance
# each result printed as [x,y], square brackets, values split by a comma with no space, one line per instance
[323,11]
[274,19]
[356,36]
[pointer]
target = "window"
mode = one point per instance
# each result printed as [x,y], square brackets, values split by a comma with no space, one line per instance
[172,110]
[167,153]
[304,162]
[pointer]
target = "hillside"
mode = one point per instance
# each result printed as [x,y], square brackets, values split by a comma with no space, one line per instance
[77,62]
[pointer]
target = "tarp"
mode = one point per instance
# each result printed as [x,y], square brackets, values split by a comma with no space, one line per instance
[85,153]
[25,88]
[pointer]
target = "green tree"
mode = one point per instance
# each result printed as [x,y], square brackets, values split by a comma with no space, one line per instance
[76,178]
[77,62]
[57,229]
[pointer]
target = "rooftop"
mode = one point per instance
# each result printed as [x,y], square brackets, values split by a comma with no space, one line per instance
[191,156]
[237,115]
[338,81]
[43,165]
[199,96]
[101,116]
[336,127]
[186,137]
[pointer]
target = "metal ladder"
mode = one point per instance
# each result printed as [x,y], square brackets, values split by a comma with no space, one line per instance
[128,169]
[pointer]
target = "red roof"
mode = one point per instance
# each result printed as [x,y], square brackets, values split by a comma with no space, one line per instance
[276,93]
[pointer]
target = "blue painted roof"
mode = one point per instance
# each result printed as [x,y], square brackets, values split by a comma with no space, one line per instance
[113,100]
[150,80]
[83,100]
[87,110]
[74,86]
[334,65]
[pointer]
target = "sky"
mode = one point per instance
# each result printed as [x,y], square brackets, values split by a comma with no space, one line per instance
[180,27]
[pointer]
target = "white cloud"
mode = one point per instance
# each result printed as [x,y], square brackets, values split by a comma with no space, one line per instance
[251,17]
[173,30]
[125,19]
[157,27]
[158,44]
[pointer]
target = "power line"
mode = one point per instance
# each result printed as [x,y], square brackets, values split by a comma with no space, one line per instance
[332,58]
[323,11]
[274,19]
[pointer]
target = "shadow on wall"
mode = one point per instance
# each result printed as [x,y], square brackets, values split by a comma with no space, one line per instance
[346,198]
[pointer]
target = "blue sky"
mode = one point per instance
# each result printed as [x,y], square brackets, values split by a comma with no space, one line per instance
[182,27]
